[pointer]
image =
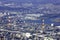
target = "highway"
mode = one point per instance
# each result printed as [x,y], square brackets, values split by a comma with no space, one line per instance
[5,30]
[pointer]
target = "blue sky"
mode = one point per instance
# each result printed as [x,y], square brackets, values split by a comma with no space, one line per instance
[34,1]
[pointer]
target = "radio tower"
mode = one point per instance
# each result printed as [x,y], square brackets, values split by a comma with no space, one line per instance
[43,25]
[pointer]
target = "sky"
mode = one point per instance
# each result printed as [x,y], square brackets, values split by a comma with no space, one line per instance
[33,1]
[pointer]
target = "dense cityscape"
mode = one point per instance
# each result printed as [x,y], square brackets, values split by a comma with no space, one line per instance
[29,21]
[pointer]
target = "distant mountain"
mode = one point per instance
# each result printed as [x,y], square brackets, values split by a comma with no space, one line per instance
[32,6]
